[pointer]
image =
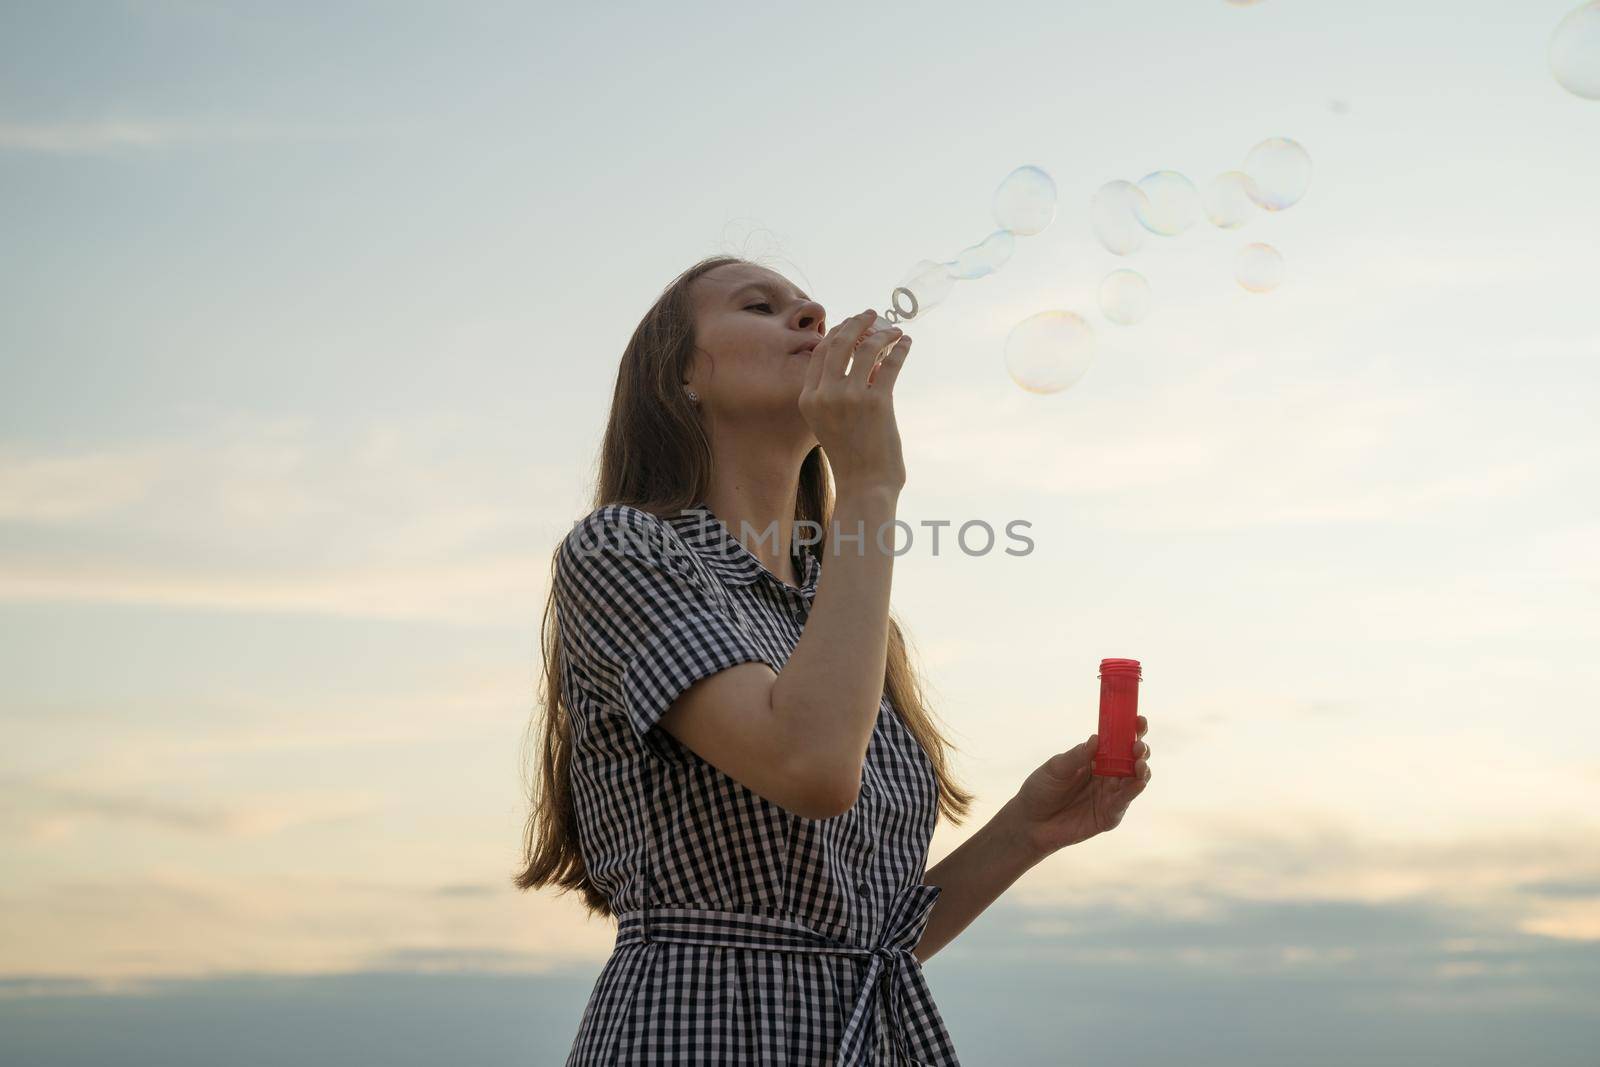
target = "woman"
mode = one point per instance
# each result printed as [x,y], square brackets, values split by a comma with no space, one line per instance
[736,761]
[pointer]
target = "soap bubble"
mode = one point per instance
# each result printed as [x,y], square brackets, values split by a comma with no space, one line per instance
[1171,204]
[1025,202]
[1047,352]
[985,257]
[1259,268]
[929,282]
[1575,52]
[1230,199]
[1112,214]
[1125,297]
[1281,171]
[923,288]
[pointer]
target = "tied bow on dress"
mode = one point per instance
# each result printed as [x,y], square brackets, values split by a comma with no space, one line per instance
[893,1005]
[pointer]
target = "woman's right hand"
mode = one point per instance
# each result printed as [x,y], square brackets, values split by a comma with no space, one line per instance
[852,413]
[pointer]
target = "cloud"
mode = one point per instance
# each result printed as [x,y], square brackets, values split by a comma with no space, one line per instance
[1490,880]
[1237,898]
[219,766]
[483,959]
[167,921]
[486,592]
[59,489]
[43,812]
[438,519]
[107,135]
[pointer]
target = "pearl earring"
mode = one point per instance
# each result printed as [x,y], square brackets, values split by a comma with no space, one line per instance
[694,397]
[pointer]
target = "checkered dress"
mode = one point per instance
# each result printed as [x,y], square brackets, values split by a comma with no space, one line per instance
[745,934]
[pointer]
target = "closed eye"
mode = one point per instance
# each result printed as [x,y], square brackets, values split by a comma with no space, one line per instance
[762,305]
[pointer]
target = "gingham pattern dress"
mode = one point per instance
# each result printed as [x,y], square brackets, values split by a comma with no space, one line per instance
[745,934]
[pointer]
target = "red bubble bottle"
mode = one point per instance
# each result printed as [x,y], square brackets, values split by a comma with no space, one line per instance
[1119,709]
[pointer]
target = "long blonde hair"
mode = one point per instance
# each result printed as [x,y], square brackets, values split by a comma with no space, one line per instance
[656,457]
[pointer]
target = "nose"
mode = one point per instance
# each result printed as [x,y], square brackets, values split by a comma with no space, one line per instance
[810,316]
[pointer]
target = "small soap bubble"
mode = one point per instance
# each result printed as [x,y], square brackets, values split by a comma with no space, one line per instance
[985,257]
[1171,203]
[1125,297]
[1281,171]
[1025,202]
[1259,268]
[1112,213]
[1229,200]
[929,283]
[1047,352]
[1575,52]
[922,288]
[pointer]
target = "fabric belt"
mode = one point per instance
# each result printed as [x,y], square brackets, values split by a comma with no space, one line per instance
[893,993]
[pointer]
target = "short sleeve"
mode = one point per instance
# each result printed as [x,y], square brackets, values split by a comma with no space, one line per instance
[639,623]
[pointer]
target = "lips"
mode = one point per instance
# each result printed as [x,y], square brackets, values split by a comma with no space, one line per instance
[807,347]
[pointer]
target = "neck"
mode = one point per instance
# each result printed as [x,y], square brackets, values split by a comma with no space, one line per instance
[755,483]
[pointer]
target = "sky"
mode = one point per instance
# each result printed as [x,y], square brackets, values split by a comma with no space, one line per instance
[309,320]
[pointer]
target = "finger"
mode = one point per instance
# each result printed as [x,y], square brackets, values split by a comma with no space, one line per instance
[866,355]
[888,368]
[832,340]
[814,365]
[840,347]
[1144,724]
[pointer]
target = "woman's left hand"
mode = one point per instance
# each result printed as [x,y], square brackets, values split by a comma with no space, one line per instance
[1065,802]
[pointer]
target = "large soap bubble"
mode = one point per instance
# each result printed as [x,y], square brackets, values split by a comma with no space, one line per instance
[1230,199]
[985,257]
[1259,268]
[1575,52]
[1125,297]
[1112,213]
[1025,202]
[1047,352]
[1171,204]
[1281,172]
